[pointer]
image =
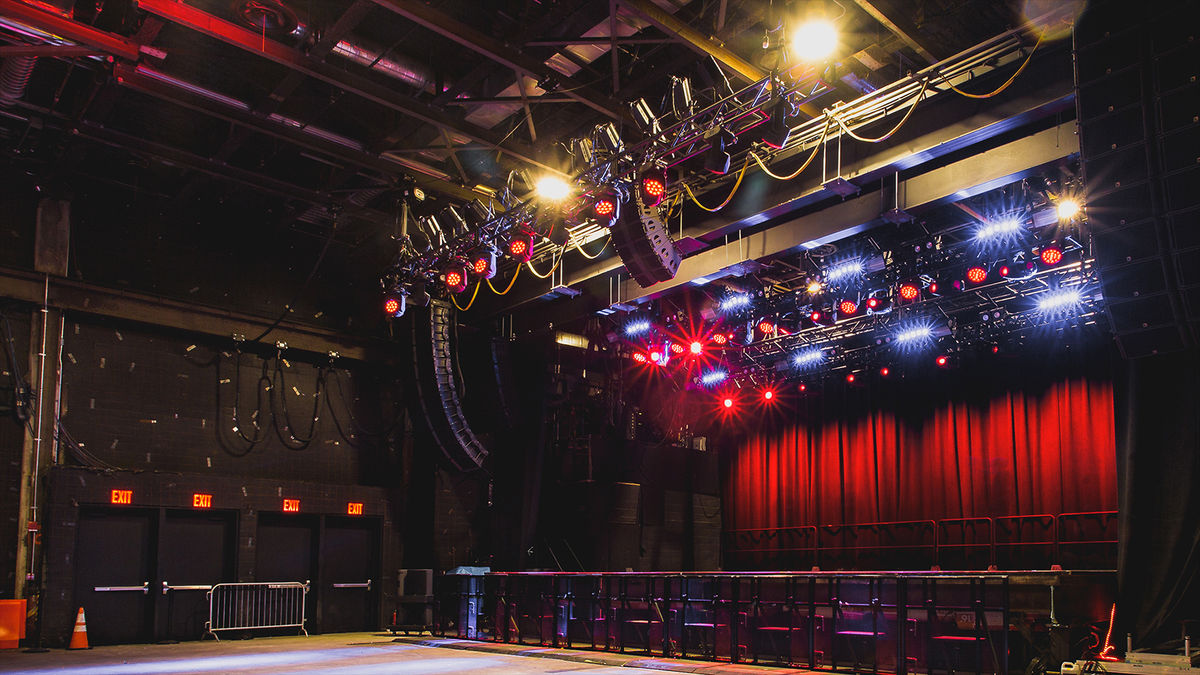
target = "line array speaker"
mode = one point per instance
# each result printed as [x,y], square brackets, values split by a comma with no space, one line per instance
[1137,91]
[645,246]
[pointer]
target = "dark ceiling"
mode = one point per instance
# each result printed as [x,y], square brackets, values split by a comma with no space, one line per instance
[214,152]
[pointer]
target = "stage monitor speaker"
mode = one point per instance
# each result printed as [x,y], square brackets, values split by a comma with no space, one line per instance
[1138,134]
[641,239]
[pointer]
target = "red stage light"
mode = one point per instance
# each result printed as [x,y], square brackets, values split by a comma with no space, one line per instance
[976,275]
[479,266]
[483,265]
[942,361]
[696,347]
[520,246]
[933,287]
[847,307]
[909,291]
[655,357]
[604,207]
[815,316]
[872,303]
[766,326]
[1005,271]
[728,402]
[654,187]
[885,371]
[803,387]
[391,306]
[768,395]
[995,349]
[1051,255]
[677,348]
[455,277]
[850,378]
[639,357]
[719,338]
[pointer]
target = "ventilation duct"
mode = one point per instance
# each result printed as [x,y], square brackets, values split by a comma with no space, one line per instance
[14,77]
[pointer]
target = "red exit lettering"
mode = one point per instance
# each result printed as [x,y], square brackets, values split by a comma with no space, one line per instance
[121,497]
[354,508]
[291,506]
[201,501]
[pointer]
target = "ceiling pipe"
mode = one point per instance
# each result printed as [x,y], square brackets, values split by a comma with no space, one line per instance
[398,66]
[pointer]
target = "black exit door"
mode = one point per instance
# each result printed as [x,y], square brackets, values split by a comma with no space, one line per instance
[350,575]
[114,573]
[286,550]
[197,552]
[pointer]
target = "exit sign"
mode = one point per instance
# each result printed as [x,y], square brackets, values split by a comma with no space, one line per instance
[354,508]
[291,506]
[121,496]
[201,501]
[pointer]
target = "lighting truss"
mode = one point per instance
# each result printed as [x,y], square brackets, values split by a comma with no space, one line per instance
[737,112]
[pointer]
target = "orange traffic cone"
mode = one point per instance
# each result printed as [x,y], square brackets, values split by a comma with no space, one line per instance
[79,636]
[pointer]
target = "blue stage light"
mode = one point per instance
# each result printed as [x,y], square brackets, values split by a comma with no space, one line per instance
[637,327]
[713,377]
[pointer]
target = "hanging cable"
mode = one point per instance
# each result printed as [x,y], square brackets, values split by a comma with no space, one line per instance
[305,440]
[259,432]
[511,282]
[1002,87]
[911,108]
[596,254]
[729,198]
[811,156]
[552,268]
[474,295]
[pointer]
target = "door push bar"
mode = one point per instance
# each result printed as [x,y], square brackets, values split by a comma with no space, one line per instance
[367,585]
[193,587]
[144,588]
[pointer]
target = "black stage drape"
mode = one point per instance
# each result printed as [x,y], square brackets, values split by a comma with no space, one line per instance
[1158,447]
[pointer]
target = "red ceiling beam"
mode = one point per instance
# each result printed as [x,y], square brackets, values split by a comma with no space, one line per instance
[69,29]
[470,38]
[254,43]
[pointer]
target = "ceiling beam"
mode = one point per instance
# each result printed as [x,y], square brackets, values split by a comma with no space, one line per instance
[139,79]
[76,296]
[898,26]
[231,34]
[468,37]
[71,30]
[705,45]
[53,51]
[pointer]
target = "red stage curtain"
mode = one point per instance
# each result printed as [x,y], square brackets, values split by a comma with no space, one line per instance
[1010,452]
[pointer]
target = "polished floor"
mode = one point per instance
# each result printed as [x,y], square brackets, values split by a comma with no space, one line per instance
[338,654]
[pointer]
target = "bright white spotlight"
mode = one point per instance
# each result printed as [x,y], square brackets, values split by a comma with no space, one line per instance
[1068,209]
[914,334]
[844,271]
[814,41]
[735,302]
[713,377]
[1059,301]
[998,228]
[808,357]
[637,327]
[553,188]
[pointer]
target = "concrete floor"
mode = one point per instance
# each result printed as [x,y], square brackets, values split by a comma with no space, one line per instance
[344,654]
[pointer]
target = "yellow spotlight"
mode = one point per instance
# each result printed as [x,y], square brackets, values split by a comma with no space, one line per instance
[814,287]
[1068,209]
[814,41]
[553,188]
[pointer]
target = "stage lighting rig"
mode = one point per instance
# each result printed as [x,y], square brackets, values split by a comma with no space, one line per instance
[653,186]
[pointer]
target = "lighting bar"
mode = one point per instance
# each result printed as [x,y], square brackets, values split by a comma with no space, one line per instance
[1057,301]
[637,327]
[914,334]
[843,271]
[713,377]
[808,357]
[998,228]
[735,302]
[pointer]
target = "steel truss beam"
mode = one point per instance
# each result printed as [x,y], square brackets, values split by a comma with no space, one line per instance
[84,298]
[219,29]
[466,36]
[71,30]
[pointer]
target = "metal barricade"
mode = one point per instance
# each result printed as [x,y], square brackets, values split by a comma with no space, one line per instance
[251,606]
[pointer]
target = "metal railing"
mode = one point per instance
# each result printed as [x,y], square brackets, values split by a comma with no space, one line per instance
[259,605]
[906,623]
